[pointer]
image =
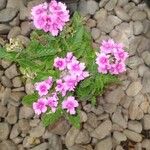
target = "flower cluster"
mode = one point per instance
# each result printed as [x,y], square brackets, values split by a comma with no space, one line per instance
[51,17]
[112,58]
[72,73]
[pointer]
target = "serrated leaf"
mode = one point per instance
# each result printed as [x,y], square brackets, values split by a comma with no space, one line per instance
[50,118]
[29,99]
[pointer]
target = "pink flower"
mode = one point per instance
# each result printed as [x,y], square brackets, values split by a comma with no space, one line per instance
[102,59]
[70,82]
[102,69]
[49,80]
[42,87]
[60,87]
[118,68]
[70,104]
[40,106]
[60,63]
[121,55]
[52,102]
[84,75]
[40,22]
[107,46]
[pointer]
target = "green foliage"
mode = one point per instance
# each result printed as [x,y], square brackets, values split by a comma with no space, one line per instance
[36,61]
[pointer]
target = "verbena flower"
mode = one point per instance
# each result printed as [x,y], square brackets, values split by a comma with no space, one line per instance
[40,106]
[50,17]
[111,58]
[60,87]
[70,104]
[52,102]
[60,63]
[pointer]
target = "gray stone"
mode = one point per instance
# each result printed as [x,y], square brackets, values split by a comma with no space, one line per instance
[4,130]
[25,28]
[83,137]
[55,142]
[24,40]
[25,13]
[137,27]
[11,72]
[95,33]
[141,70]
[2,4]
[146,122]
[6,82]
[26,112]
[139,15]
[14,131]
[134,88]
[81,147]
[12,116]
[100,15]
[29,87]
[102,3]
[118,118]
[109,107]
[29,142]
[24,126]
[92,7]
[133,136]
[82,8]
[83,116]
[91,23]
[61,127]
[5,95]
[122,2]
[136,1]
[146,57]
[37,131]
[4,29]
[105,144]
[16,4]
[146,81]
[122,14]
[17,82]
[119,147]
[5,64]
[42,146]
[102,130]
[115,96]
[71,136]
[3,111]
[119,136]
[14,32]
[8,145]
[111,5]
[129,6]
[146,144]
[17,96]
[135,126]
[17,140]
[97,110]
[92,120]
[15,21]
[7,14]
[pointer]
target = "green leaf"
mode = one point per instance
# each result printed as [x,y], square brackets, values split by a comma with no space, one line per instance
[50,118]
[29,99]
[74,120]
[93,101]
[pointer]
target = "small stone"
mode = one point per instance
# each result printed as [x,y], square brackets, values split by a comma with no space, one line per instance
[26,112]
[42,146]
[29,87]
[92,7]
[133,136]
[122,2]
[81,147]
[146,81]
[102,3]
[110,108]
[15,21]
[83,137]
[5,64]
[141,69]
[146,122]
[144,106]
[17,82]
[129,6]
[95,33]
[24,13]
[17,140]
[122,14]
[71,136]
[102,130]
[92,120]
[111,5]
[119,136]
[82,7]
[91,23]
[12,116]
[61,127]
[14,32]
[24,125]
[4,29]
[37,131]
[146,144]
[6,82]
[8,145]
[140,114]
[136,1]
[17,96]
[25,28]
[7,14]
[88,127]
[29,142]
[139,15]
[55,142]
[134,88]
[11,72]
[34,122]
[100,15]
[3,111]
[4,130]
[97,110]
[103,117]
[2,4]
[137,27]
[5,96]
[119,119]
[119,147]
[135,126]
[14,131]
[24,40]
[83,116]
[115,96]
[146,57]
[105,144]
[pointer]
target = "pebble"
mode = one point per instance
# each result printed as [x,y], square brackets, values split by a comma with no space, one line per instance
[4,29]
[42,146]
[105,144]
[25,28]
[139,15]
[146,144]
[14,32]
[2,4]
[24,125]
[92,120]
[92,7]
[141,69]
[122,2]
[17,82]
[17,96]
[71,136]
[14,131]
[134,88]
[15,21]
[95,33]
[5,96]
[91,23]
[81,147]
[146,122]
[82,8]
[102,130]
[6,82]
[4,130]
[111,5]
[17,140]
[135,126]
[137,27]
[29,87]
[133,136]
[83,116]
[8,145]
[3,111]
[110,108]
[146,57]
[103,3]
[119,136]
[146,81]
[7,14]
[24,40]
[100,15]
[26,112]
[122,14]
